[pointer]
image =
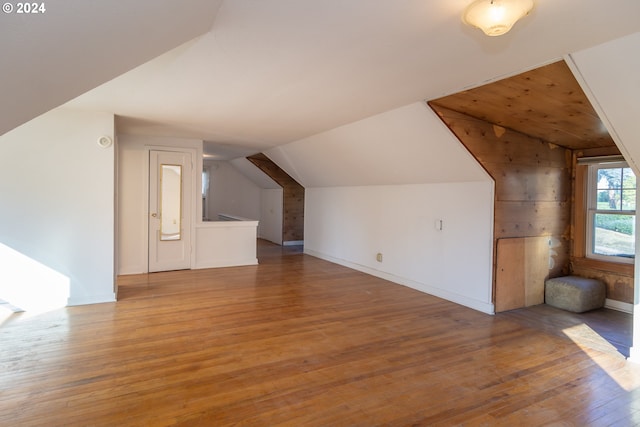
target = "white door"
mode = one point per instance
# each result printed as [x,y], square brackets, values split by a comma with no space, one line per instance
[170,201]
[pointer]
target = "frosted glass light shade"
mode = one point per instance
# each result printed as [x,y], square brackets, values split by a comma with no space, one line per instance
[496,17]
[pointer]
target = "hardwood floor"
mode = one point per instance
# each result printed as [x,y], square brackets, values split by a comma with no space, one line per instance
[298,341]
[602,329]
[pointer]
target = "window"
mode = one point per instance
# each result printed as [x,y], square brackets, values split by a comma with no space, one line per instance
[611,212]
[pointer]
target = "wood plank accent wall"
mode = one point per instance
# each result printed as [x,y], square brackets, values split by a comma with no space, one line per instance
[533,183]
[293,198]
[523,266]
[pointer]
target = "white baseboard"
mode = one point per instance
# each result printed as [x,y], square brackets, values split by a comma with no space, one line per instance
[226,263]
[95,299]
[482,306]
[276,241]
[130,271]
[293,243]
[619,306]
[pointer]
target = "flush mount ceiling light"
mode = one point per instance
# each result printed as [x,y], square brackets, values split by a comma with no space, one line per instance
[496,17]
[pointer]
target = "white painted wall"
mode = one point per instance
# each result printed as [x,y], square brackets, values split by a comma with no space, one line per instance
[270,227]
[351,213]
[230,192]
[254,173]
[350,225]
[226,244]
[271,203]
[57,193]
[133,196]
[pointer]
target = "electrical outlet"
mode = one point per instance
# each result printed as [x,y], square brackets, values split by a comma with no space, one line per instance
[379,257]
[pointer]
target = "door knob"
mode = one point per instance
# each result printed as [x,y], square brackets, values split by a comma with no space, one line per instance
[154,215]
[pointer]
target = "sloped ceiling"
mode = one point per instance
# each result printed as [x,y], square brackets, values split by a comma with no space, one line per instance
[73,46]
[407,145]
[255,175]
[615,90]
[276,71]
[546,103]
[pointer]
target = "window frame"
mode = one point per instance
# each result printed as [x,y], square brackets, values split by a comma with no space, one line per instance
[592,210]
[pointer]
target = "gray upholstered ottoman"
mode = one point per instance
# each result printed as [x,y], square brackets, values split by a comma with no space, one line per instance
[574,293]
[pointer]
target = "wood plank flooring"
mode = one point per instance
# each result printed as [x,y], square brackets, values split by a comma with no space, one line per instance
[297,341]
[602,329]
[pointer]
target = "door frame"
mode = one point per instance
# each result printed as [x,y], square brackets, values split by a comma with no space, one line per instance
[196,203]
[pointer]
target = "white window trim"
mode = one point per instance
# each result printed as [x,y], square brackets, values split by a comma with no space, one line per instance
[592,196]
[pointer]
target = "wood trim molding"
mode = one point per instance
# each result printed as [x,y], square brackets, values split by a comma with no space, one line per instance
[604,266]
[579,211]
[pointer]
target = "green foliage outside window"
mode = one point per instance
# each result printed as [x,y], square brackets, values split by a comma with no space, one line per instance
[618,223]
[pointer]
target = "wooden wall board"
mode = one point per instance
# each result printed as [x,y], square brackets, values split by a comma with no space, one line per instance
[535,153]
[523,266]
[618,278]
[523,219]
[541,183]
[510,292]
[537,268]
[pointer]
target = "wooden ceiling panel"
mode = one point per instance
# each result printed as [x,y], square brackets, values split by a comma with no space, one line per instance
[545,103]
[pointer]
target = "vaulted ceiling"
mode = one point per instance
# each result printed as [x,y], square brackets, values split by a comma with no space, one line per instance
[265,73]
